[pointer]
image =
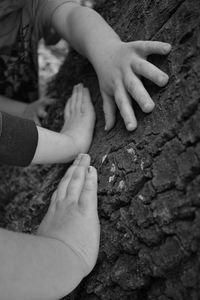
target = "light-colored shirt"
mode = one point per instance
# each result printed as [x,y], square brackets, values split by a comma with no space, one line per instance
[22,24]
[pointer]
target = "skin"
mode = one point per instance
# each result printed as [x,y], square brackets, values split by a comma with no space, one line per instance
[52,263]
[74,220]
[76,134]
[71,228]
[118,65]
[37,110]
[33,111]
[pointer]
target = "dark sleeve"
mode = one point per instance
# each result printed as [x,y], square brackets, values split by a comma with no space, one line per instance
[18,140]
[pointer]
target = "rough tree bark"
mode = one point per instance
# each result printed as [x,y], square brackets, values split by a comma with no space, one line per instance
[149,180]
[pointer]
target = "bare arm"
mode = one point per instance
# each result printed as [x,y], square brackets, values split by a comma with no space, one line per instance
[22,143]
[54,147]
[119,65]
[85,30]
[76,134]
[30,266]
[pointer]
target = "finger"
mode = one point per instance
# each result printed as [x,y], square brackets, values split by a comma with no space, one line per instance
[146,48]
[67,109]
[86,95]
[87,101]
[48,101]
[109,109]
[37,121]
[150,72]
[126,110]
[77,180]
[79,98]
[52,205]
[137,90]
[42,113]
[88,198]
[63,185]
[74,98]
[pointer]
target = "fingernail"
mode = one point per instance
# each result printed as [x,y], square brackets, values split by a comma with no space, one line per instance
[79,156]
[167,47]
[90,169]
[105,128]
[130,126]
[164,79]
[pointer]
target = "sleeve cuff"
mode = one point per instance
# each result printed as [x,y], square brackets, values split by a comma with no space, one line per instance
[18,140]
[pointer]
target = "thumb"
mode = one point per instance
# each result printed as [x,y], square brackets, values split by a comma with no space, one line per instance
[109,109]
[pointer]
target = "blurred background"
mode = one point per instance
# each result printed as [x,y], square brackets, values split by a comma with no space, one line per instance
[51,57]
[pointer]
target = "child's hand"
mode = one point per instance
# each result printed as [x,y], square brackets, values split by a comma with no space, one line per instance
[119,77]
[37,110]
[72,216]
[79,119]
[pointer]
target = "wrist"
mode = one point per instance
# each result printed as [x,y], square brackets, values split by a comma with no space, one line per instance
[105,53]
[70,139]
[60,149]
[72,255]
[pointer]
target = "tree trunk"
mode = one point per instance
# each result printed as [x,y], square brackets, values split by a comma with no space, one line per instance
[149,181]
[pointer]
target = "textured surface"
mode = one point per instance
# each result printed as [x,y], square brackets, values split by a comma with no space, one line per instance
[149,180]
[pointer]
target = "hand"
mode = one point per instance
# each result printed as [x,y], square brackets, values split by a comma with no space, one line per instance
[37,110]
[72,215]
[79,119]
[119,77]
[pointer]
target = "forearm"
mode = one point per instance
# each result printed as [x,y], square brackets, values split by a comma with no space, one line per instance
[86,31]
[22,143]
[54,147]
[12,107]
[31,265]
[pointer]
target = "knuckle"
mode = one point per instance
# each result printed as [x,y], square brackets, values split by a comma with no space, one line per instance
[119,99]
[130,86]
[140,65]
[137,44]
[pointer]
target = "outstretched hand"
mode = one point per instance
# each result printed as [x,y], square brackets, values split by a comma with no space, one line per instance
[119,79]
